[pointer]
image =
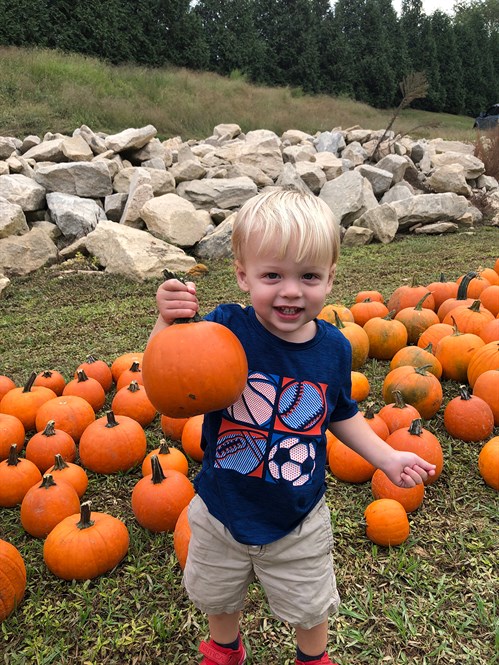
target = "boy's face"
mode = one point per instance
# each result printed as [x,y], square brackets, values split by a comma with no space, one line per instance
[286,295]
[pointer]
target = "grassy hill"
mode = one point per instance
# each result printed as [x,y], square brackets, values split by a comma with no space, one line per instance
[42,90]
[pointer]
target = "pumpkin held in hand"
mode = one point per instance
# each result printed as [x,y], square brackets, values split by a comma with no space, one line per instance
[193,368]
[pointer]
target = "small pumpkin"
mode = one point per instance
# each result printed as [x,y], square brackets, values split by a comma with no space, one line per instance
[371,294]
[88,388]
[376,423]
[468,417]
[359,341]
[97,369]
[490,331]
[45,505]
[418,387]
[433,335]
[368,309]
[132,401]
[191,437]
[12,579]
[484,358]
[442,289]
[159,498]
[488,462]
[476,285]
[181,537]
[469,319]
[487,388]
[417,319]
[70,413]
[16,477]
[112,443]
[25,402]
[408,295]
[489,298]
[417,357]
[11,431]
[51,378]
[386,522]
[169,458]
[383,488]
[44,445]
[419,440]
[330,312]
[69,472]
[181,382]
[133,373]
[123,362]
[6,384]
[347,465]
[455,352]
[462,297]
[172,427]
[85,545]
[386,336]
[360,386]
[398,414]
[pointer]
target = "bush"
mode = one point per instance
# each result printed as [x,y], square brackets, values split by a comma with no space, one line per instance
[487,150]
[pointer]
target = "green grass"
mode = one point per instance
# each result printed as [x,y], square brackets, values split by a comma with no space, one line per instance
[48,91]
[433,600]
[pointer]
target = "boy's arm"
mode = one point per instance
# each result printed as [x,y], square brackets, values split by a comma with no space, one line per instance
[175,300]
[405,469]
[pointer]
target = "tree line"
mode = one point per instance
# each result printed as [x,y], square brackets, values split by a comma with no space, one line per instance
[356,48]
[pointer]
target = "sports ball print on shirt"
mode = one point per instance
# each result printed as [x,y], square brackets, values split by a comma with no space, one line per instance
[273,430]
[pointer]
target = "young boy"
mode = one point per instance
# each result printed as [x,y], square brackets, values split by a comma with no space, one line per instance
[260,511]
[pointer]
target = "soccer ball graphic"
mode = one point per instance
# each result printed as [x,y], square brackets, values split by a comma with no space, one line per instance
[292,460]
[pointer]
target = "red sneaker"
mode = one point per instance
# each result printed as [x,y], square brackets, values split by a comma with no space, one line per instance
[325,660]
[217,655]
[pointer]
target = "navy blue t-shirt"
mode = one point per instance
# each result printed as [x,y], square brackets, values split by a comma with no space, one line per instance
[265,456]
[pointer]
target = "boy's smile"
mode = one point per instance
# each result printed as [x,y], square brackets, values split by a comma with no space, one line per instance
[286,295]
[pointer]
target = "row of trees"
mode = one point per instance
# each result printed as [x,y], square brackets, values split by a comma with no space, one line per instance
[359,48]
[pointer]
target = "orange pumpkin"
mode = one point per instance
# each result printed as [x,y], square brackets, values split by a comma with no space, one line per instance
[133,373]
[97,369]
[417,357]
[462,297]
[86,545]
[46,505]
[361,296]
[11,431]
[386,337]
[44,445]
[6,384]
[489,298]
[191,437]
[51,378]
[409,296]
[359,341]
[71,473]
[172,427]
[16,477]
[383,488]
[476,285]
[386,522]
[360,386]
[441,290]
[346,464]
[70,413]
[398,414]
[488,462]
[469,319]
[329,313]
[376,423]
[484,358]
[417,319]
[490,331]
[455,352]
[12,579]
[368,309]
[433,335]
[421,441]
[195,367]
[468,417]
[132,401]
[123,362]
[418,387]
[112,443]
[25,402]
[159,498]
[487,388]
[181,537]
[169,458]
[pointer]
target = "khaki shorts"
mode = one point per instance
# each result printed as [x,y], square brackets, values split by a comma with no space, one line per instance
[296,572]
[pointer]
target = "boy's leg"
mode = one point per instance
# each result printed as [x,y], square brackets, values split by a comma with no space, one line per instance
[224,628]
[312,641]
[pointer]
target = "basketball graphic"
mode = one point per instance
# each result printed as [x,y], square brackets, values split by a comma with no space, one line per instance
[292,460]
[240,450]
[256,404]
[301,405]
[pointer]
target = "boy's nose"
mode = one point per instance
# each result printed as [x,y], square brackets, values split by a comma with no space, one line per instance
[290,288]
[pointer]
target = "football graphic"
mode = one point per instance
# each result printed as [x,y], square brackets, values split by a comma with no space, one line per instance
[292,460]
[301,405]
[240,450]
[256,404]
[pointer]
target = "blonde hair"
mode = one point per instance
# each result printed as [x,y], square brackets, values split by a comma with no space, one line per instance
[281,217]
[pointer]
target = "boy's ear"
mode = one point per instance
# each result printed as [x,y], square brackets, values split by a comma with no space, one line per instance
[241,276]
[332,274]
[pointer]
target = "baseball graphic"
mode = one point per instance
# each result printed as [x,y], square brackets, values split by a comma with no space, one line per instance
[301,405]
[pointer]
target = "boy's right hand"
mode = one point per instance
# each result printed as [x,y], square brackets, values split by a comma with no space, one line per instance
[176,300]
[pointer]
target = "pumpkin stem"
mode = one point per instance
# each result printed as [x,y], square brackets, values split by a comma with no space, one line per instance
[111,419]
[29,383]
[49,428]
[399,399]
[390,315]
[415,282]
[337,320]
[13,458]
[133,387]
[85,520]
[462,291]
[454,325]
[135,366]
[422,370]
[81,375]
[442,278]
[157,471]
[416,427]
[91,359]
[419,306]
[369,414]
[429,348]
[163,447]
[47,373]
[60,463]
[475,306]
[464,392]
[48,481]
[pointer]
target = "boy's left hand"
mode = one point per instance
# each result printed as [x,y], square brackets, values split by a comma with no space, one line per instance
[407,469]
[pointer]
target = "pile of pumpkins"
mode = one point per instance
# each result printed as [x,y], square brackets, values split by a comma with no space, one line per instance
[446,330]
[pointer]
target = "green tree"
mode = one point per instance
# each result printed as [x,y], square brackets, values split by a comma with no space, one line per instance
[449,64]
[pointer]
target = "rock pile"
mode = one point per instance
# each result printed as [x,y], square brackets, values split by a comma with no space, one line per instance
[138,204]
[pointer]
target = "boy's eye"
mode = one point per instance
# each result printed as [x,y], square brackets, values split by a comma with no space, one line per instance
[272,275]
[309,276]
